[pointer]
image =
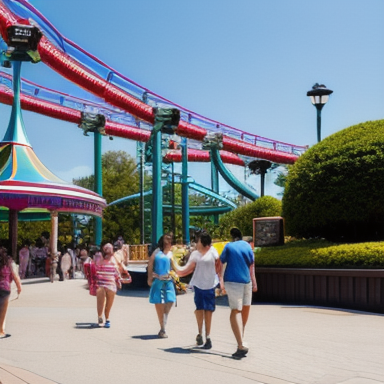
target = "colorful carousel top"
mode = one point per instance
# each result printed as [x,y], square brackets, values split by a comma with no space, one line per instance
[24,180]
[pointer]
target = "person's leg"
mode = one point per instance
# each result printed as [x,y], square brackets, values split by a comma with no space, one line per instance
[247,301]
[100,295]
[3,312]
[110,298]
[208,322]
[199,314]
[245,316]
[167,309]
[160,315]
[234,320]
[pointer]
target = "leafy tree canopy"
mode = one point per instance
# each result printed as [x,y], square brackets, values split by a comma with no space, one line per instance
[120,179]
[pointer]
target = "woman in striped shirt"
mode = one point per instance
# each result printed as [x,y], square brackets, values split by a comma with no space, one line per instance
[108,282]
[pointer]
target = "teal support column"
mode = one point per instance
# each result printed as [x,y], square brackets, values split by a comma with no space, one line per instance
[184,191]
[173,217]
[166,121]
[157,189]
[98,184]
[140,156]
[215,186]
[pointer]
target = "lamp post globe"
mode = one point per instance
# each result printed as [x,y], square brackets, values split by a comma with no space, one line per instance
[319,95]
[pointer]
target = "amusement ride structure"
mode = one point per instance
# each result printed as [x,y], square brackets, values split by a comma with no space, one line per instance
[123,108]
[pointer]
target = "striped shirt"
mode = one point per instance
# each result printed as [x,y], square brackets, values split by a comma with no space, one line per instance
[107,276]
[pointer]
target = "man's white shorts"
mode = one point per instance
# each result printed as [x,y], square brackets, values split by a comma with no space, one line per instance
[238,294]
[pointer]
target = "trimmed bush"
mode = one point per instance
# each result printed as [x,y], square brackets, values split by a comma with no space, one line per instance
[321,254]
[336,189]
[242,217]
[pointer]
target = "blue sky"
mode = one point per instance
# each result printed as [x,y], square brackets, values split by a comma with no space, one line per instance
[245,63]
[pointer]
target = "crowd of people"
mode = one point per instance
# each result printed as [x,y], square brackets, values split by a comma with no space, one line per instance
[232,271]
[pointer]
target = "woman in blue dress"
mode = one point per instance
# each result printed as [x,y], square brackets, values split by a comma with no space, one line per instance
[162,292]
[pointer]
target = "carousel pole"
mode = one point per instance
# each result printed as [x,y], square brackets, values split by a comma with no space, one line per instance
[12,228]
[53,245]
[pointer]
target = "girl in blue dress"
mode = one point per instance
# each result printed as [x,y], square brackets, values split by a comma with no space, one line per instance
[162,292]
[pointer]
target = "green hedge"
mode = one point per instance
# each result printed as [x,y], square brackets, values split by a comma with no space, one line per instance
[335,189]
[321,254]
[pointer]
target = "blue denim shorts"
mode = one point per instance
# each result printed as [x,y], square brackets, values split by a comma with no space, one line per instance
[205,299]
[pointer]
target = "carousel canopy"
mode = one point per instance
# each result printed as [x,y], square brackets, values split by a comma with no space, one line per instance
[24,180]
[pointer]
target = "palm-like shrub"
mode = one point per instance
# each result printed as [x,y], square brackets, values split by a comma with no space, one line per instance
[336,189]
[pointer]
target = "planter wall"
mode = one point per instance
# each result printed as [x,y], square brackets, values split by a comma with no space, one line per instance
[361,289]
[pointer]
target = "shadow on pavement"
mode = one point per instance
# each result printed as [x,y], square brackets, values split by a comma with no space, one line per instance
[87,326]
[146,337]
[196,350]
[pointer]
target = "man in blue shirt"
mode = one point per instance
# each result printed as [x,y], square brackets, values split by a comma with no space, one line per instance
[239,282]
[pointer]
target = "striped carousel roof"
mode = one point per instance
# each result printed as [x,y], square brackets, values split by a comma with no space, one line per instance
[25,182]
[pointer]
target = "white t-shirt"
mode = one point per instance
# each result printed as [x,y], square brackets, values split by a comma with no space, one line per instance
[204,276]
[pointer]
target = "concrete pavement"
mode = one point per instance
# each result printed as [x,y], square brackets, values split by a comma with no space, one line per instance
[52,341]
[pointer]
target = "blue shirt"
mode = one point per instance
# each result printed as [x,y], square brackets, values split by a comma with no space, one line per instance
[239,257]
[162,264]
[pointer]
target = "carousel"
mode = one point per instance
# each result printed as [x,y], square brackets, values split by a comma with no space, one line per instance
[27,186]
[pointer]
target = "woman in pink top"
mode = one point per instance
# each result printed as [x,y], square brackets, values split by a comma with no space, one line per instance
[108,280]
[7,274]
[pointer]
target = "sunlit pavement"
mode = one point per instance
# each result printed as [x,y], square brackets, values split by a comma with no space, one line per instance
[287,344]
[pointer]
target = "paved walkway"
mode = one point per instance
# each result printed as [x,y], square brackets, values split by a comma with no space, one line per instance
[302,345]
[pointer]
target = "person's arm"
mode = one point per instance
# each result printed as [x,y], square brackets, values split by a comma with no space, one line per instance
[16,277]
[252,272]
[150,269]
[221,275]
[186,270]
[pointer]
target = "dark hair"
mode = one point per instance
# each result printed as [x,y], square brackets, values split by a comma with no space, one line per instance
[3,257]
[205,239]
[236,234]
[160,243]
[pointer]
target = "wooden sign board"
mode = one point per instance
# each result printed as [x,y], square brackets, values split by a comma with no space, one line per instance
[268,231]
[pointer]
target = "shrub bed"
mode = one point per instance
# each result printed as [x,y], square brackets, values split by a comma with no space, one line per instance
[321,254]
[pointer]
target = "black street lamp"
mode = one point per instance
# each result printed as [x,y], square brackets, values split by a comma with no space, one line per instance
[319,96]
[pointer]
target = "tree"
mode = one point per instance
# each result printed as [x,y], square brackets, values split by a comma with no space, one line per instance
[335,189]
[120,179]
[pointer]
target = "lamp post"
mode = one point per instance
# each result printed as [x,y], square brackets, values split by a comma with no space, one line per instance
[319,96]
